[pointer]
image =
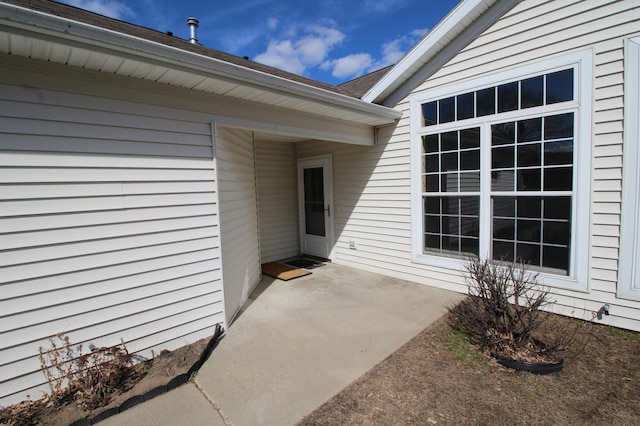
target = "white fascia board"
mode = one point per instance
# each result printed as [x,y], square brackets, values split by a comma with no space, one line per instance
[112,42]
[465,22]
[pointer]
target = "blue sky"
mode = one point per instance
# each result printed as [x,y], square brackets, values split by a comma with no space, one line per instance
[327,40]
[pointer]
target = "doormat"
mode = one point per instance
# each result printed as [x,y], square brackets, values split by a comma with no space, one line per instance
[304,263]
[283,272]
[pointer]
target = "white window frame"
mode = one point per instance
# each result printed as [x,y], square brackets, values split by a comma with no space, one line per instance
[578,275]
[629,264]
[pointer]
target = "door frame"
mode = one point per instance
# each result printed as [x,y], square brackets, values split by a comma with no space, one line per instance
[326,162]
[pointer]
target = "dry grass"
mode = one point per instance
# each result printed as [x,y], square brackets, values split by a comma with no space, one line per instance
[440,378]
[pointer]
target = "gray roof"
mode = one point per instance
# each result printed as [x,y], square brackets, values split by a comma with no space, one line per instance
[359,86]
[91,18]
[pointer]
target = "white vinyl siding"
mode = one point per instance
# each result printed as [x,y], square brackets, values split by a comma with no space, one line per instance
[108,228]
[277,200]
[534,31]
[238,216]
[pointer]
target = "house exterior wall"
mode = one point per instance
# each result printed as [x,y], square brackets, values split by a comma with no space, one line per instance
[108,227]
[238,216]
[277,200]
[532,32]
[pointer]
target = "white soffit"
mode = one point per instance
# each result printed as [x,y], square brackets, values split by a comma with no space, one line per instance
[455,31]
[28,33]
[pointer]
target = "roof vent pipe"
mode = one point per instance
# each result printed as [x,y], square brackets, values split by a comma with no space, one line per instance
[193,24]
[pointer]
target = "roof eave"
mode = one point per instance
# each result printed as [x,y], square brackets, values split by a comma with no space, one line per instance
[109,41]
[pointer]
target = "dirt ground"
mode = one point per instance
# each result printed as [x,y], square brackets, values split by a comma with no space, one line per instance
[439,378]
[149,375]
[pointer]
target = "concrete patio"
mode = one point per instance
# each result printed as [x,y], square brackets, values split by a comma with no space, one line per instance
[295,345]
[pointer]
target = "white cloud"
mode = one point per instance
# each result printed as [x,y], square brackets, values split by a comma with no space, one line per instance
[299,53]
[110,8]
[353,65]
[282,55]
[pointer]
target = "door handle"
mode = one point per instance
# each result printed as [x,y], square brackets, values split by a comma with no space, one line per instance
[328,210]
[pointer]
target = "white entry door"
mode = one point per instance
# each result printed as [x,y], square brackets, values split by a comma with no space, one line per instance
[315,195]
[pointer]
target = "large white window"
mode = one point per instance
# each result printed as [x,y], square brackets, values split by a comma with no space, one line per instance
[501,170]
[629,276]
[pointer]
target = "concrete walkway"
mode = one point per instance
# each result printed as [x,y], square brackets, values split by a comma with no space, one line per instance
[295,345]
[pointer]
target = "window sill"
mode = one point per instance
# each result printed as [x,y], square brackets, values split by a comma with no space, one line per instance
[552,281]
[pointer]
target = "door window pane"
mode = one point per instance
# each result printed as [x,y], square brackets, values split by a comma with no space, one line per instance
[314,201]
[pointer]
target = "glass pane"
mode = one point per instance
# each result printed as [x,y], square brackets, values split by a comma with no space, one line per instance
[503,134]
[502,157]
[531,92]
[430,143]
[529,230]
[502,180]
[432,162]
[314,201]
[470,138]
[450,206]
[529,207]
[558,126]
[432,242]
[469,226]
[555,257]
[556,233]
[449,161]
[432,205]
[560,152]
[429,112]
[486,102]
[470,245]
[560,86]
[528,253]
[449,182]
[470,182]
[503,251]
[470,206]
[508,97]
[450,243]
[465,106]
[447,111]
[504,207]
[557,208]
[431,183]
[529,155]
[504,229]
[449,141]
[529,180]
[558,179]
[432,224]
[530,130]
[470,160]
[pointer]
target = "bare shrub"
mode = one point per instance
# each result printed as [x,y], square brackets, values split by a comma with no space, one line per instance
[88,378]
[503,310]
